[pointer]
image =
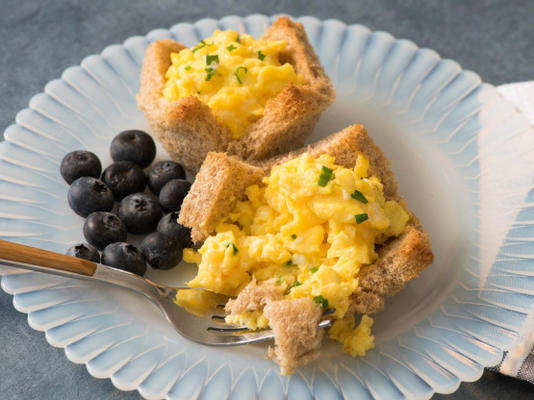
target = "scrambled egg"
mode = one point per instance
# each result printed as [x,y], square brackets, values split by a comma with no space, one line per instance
[356,341]
[310,225]
[253,320]
[233,74]
[196,301]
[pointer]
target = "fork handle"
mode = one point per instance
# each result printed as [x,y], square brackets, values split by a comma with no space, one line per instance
[19,253]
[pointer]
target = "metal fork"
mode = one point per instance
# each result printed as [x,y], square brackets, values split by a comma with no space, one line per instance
[209,329]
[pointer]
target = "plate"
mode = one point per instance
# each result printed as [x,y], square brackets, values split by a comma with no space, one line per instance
[464,158]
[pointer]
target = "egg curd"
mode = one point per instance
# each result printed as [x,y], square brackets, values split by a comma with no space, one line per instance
[310,225]
[233,74]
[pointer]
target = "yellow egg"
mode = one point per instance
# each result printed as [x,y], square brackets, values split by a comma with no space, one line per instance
[253,320]
[356,341]
[196,301]
[311,225]
[233,74]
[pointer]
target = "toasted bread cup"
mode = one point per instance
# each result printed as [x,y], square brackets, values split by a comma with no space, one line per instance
[399,260]
[188,130]
[222,181]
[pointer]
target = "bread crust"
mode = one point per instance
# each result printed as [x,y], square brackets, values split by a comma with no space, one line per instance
[188,129]
[219,184]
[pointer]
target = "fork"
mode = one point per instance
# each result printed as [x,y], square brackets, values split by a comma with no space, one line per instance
[209,329]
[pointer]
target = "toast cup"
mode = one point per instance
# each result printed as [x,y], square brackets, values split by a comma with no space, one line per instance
[222,181]
[188,129]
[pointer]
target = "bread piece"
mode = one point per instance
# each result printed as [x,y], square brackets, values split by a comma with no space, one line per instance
[221,182]
[399,261]
[297,338]
[188,129]
[255,297]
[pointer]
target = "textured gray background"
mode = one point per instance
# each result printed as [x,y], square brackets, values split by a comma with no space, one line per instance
[42,38]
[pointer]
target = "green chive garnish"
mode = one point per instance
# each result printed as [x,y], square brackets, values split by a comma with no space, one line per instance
[238,38]
[261,56]
[210,72]
[230,47]
[289,262]
[236,72]
[325,176]
[361,217]
[200,45]
[358,196]
[280,280]
[314,270]
[187,67]
[234,247]
[293,236]
[212,58]
[321,300]
[296,283]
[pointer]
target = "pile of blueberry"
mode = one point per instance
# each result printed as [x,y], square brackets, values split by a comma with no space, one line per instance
[92,195]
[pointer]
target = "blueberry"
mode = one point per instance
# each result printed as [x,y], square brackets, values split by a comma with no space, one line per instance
[140,212]
[85,251]
[124,256]
[88,194]
[161,251]
[133,145]
[124,178]
[162,172]
[172,194]
[169,226]
[102,228]
[80,163]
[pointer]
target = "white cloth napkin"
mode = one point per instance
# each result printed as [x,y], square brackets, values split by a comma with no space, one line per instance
[519,361]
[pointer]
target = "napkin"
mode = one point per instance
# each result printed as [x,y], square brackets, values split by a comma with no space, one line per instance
[519,361]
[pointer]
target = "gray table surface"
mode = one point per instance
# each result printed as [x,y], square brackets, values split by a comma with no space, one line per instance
[42,38]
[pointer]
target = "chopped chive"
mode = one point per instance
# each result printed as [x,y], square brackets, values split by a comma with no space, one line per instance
[238,38]
[321,300]
[289,262]
[234,247]
[280,280]
[230,47]
[210,72]
[293,236]
[296,283]
[187,67]
[314,270]
[325,176]
[212,58]
[361,217]
[236,72]
[261,56]
[359,196]
[200,45]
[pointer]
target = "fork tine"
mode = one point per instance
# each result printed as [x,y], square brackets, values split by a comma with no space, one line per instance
[227,329]
[231,337]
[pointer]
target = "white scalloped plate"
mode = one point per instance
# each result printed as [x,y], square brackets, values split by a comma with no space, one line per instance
[465,161]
